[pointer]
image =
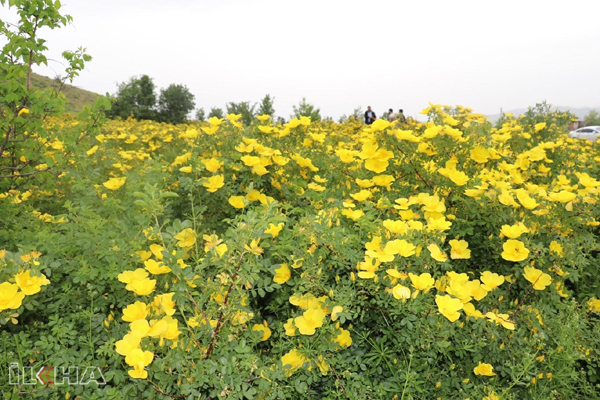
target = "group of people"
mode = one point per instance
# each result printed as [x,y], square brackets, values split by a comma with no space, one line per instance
[370,116]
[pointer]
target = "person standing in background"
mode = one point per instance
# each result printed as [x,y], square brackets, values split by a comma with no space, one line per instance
[370,116]
[401,116]
[391,116]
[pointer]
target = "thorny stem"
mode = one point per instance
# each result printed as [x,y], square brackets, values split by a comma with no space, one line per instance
[225,300]
[414,168]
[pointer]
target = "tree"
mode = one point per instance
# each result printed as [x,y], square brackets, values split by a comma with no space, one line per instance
[244,109]
[215,112]
[593,118]
[23,138]
[200,114]
[175,103]
[266,106]
[305,109]
[136,98]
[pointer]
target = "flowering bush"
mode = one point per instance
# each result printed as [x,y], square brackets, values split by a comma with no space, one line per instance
[446,259]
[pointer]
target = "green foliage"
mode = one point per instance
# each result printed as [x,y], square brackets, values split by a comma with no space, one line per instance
[216,112]
[175,103]
[244,109]
[265,106]
[304,109]
[24,107]
[135,98]
[592,118]
[200,114]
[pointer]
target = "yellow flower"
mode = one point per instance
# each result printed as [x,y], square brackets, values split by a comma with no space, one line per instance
[142,287]
[212,164]
[213,242]
[139,359]
[370,265]
[254,248]
[186,238]
[459,249]
[514,250]
[401,292]
[353,214]
[594,304]
[480,155]
[423,282]
[316,187]
[129,342]
[274,230]
[310,320]
[290,328]
[514,231]
[398,227]
[156,268]
[282,274]
[30,284]
[135,311]
[564,196]
[250,161]
[157,250]
[130,276]
[501,319]
[164,303]
[484,369]
[556,248]
[383,180]
[92,150]
[335,312]
[436,253]
[438,224]
[491,280]
[538,278]
[214,183]
[187,169]
[23,111]
[293,360]
[470,311]
[362,195]
[264,328]
[449,307]
[10,297]
[458,177]
[114,183]
[343,339]
[401,247]
[526,200]
[237,201]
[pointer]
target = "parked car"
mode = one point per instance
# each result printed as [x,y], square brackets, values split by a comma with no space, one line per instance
[587,132]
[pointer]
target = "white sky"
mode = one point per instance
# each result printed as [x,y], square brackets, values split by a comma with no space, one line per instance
[343,54]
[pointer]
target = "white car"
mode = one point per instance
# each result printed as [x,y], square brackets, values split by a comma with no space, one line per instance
[587,132]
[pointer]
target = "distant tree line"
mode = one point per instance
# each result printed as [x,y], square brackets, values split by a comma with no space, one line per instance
[137,98]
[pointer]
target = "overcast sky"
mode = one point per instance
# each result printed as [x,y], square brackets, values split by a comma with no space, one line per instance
[343,54]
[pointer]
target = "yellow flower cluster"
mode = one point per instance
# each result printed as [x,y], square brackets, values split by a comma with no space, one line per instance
[26,283]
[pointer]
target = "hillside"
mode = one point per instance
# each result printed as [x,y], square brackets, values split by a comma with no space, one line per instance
[76,97]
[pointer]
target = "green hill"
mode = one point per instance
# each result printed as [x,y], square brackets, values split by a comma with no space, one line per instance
[77,98]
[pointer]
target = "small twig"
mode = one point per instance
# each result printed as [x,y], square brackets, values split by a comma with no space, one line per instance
[225,300]
[522,301]
[157,390]
[340,382]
